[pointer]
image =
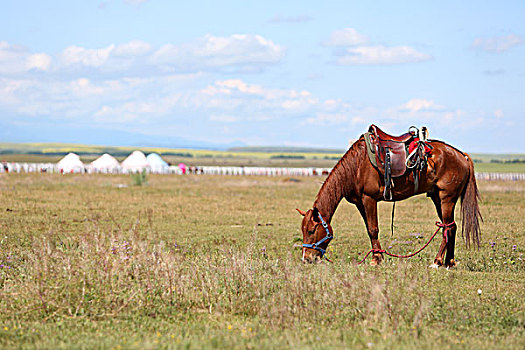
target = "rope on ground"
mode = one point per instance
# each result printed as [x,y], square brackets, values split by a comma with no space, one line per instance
[438,224]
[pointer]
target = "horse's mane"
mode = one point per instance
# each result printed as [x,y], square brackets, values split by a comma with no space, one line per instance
[340,180]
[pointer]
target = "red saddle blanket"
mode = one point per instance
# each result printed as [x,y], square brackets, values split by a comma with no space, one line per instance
[413,146]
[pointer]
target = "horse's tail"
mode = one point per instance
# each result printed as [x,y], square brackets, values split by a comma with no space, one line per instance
[470,213]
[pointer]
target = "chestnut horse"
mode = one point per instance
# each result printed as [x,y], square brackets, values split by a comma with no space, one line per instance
[448,176]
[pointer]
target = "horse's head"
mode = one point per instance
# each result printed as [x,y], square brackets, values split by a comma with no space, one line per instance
[317,233]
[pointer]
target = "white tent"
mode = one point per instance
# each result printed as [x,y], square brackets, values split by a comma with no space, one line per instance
[70,164]
[158,165]
[135,162]
[106,163]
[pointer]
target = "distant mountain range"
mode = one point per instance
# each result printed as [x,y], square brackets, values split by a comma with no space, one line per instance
[88,135]
[115,138]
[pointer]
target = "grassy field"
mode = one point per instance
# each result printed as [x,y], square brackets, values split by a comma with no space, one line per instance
[209,262]
[500,167]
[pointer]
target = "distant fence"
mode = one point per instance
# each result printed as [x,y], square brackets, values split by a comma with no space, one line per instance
[215,170]
[260,171]
[53,168]
[501,176]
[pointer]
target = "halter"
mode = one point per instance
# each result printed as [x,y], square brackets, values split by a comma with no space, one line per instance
[322,240]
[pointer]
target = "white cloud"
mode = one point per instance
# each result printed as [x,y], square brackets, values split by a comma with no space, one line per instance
[417,104]
[38,61]
[422,112]
[497,44]
[381,55]
[244,101]
[186,103]
[346,37]
[141,111]
[88,57]
[353,48]
[448,117]
[65,88]
[215,90]
[17,60]
[133,48]
[127,57]
[79,97]
[328,118]
[9,91]
[240,86]
[358,120]
[292,104]
[84,87]
[238,52]
[499,114]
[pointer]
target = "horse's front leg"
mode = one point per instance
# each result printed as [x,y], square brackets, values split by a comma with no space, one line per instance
[438,260]
[368,210]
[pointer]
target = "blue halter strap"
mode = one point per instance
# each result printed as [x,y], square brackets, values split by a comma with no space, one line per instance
[322,240]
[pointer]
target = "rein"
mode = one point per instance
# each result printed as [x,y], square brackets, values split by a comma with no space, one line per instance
[438,224]
[328,238]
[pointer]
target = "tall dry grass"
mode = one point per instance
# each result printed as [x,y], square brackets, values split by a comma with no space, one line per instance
[208,262]
[100,274]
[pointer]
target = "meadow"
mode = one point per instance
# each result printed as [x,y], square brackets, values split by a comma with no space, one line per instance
[193,262]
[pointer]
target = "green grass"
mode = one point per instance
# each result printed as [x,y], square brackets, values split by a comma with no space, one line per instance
[208,262]
[500,167]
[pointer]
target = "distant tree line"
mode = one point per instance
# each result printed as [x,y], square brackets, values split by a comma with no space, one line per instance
[287,156]
[507,161]
[177,154]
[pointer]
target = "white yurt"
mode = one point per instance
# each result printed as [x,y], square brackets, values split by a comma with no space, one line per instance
[106,164]
[157,164]
[70,164]
[135,162]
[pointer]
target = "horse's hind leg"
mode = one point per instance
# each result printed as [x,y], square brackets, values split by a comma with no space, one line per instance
[450,231]
[445,207]
[438,261]
[368,210]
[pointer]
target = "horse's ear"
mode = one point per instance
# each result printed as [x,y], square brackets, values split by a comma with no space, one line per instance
[303,213]
[315,215]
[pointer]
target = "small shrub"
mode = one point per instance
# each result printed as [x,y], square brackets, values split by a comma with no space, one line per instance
[139,178]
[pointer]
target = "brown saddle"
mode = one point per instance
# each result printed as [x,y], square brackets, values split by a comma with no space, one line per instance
[390,151]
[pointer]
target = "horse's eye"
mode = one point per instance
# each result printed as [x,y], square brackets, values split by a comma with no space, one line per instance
[311,232]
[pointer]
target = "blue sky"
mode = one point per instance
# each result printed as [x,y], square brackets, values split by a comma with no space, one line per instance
[297,73]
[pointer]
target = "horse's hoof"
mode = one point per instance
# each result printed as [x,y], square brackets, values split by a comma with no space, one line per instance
[375,262]
[433,266]
[438,262]
[451,263]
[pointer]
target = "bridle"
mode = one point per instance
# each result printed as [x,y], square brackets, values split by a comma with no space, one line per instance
[328,237]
